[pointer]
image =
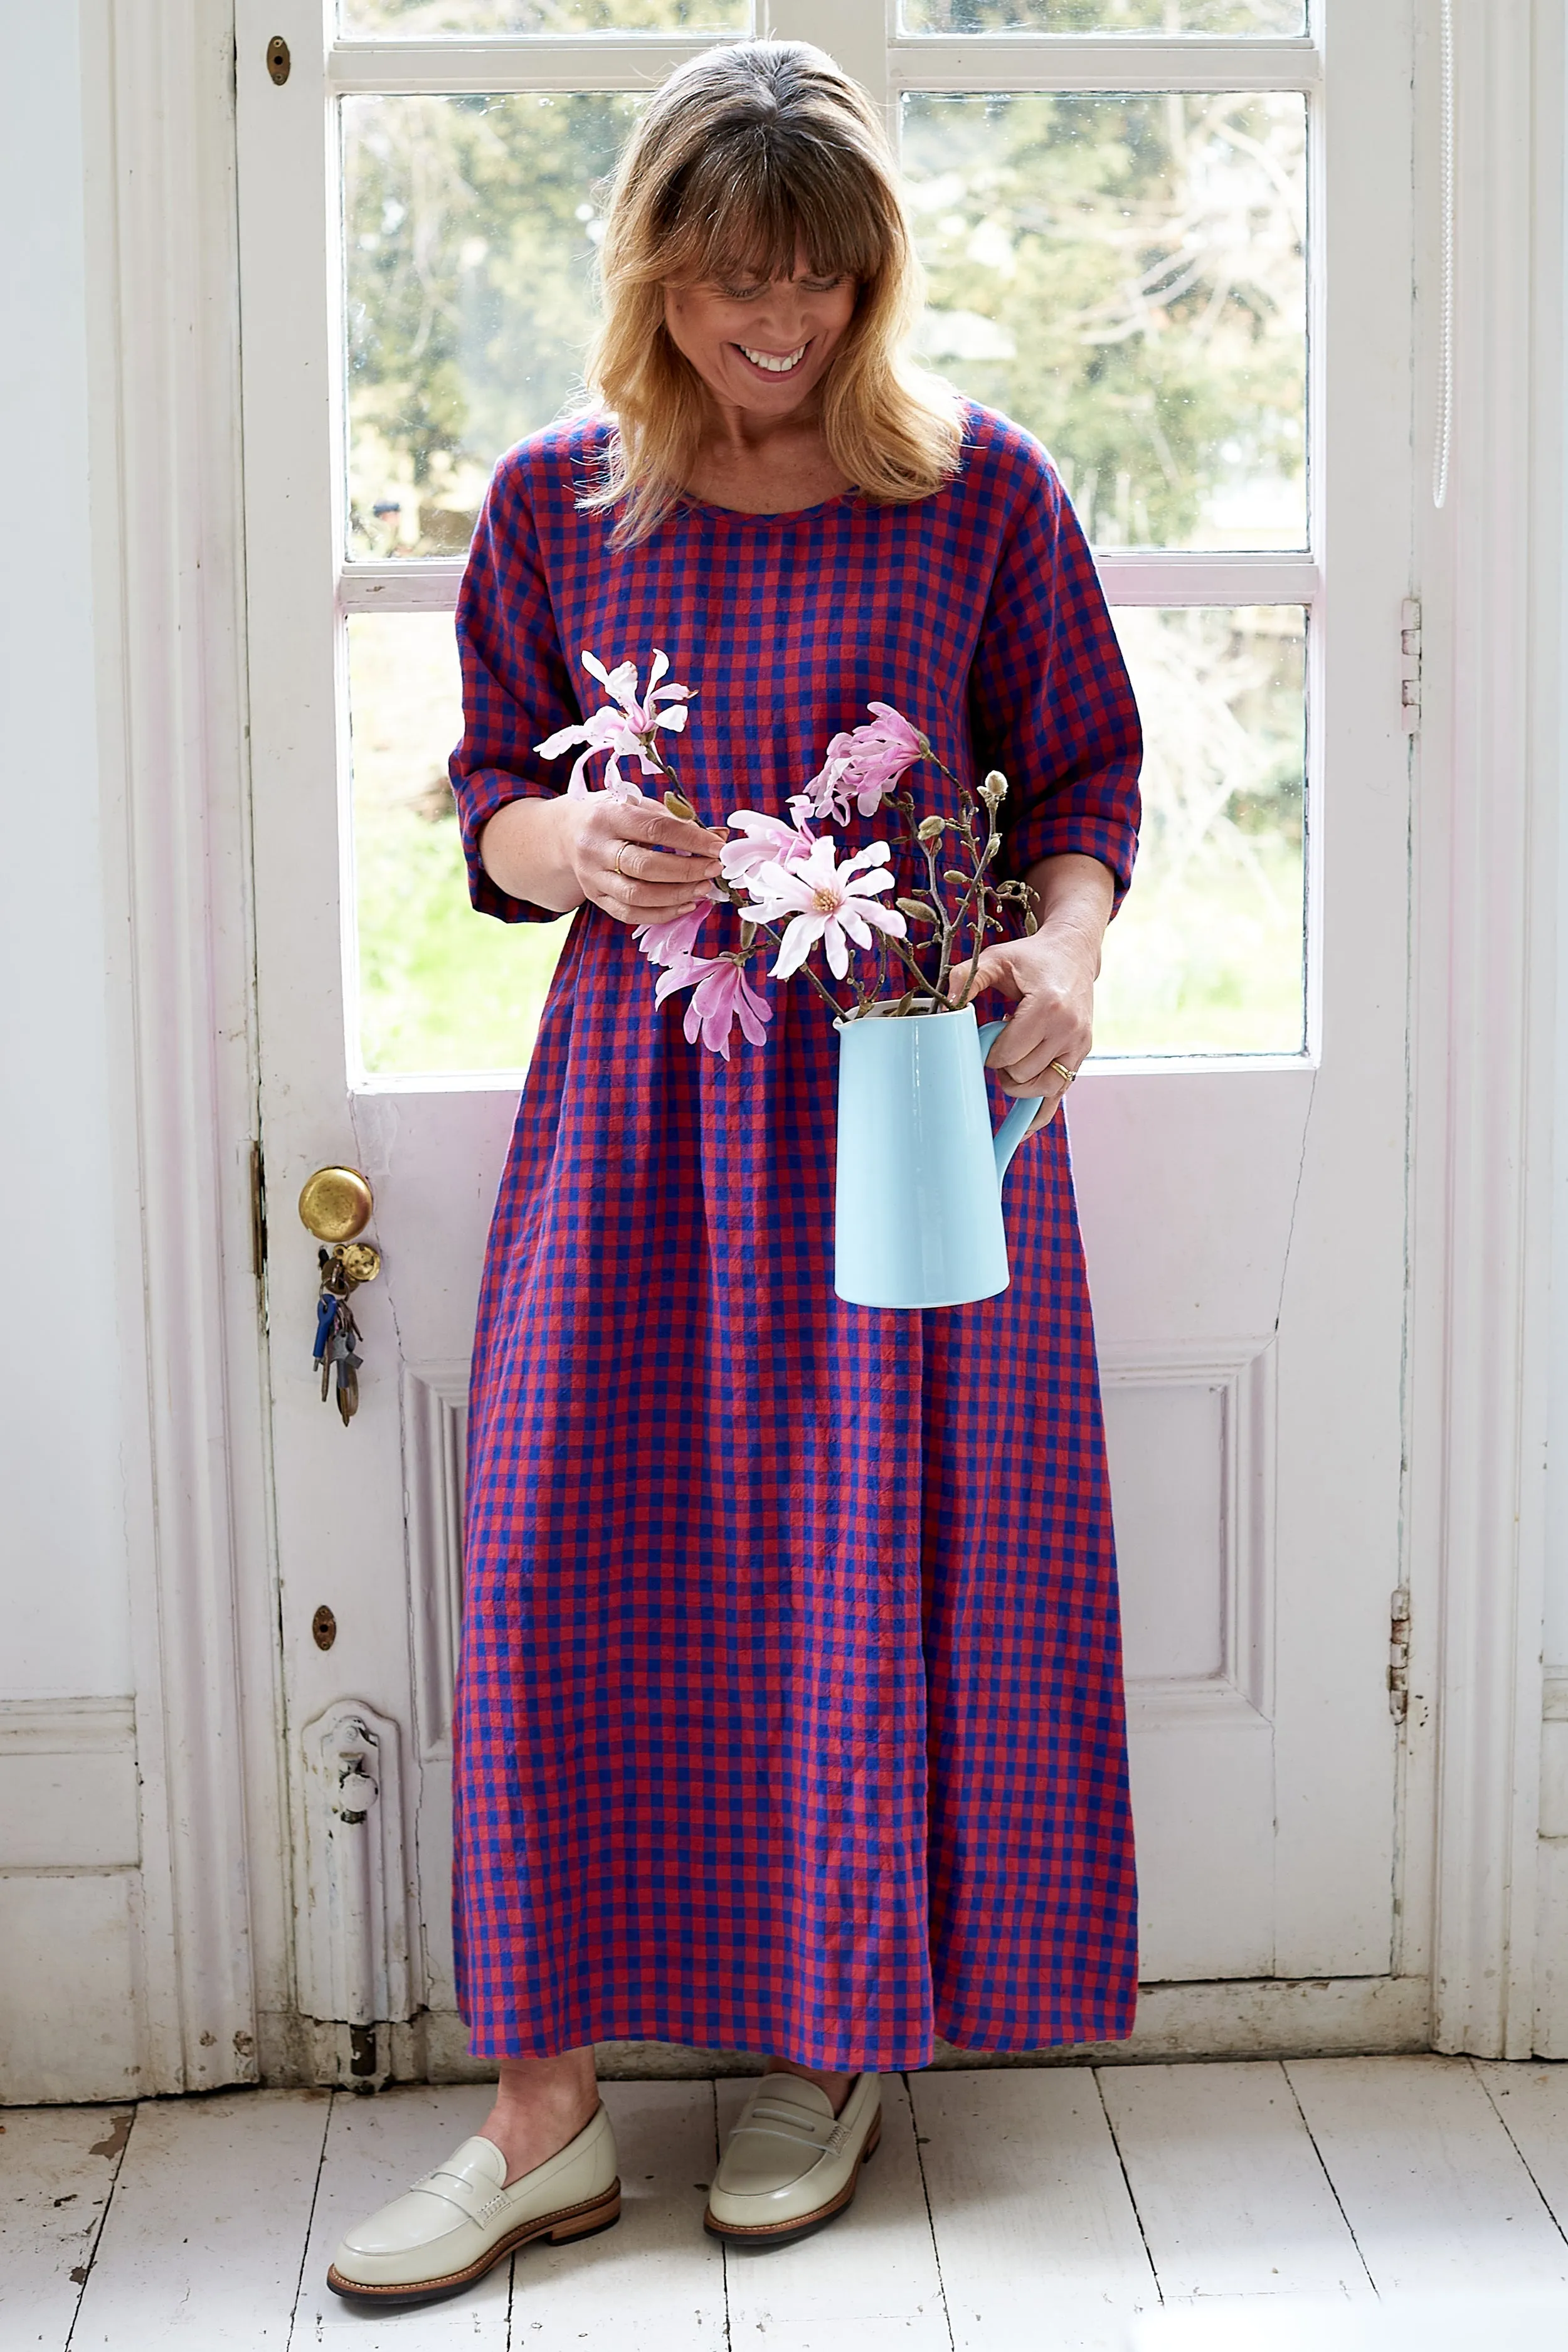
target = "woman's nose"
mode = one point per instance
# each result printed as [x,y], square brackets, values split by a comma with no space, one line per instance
[784,319]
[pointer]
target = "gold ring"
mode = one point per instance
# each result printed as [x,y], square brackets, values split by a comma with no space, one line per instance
[620,853]
[1067,1076]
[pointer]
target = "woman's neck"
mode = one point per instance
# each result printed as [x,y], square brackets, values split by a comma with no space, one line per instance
[764,466]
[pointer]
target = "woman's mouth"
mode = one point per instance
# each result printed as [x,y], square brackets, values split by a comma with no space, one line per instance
[773,362]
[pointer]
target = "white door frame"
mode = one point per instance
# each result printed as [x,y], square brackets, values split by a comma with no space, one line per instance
[1483,997]
[167,591]
[168,584]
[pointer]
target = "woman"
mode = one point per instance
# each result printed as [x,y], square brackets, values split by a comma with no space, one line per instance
[789,1717]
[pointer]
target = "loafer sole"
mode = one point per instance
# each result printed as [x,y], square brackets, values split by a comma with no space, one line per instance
[585,2221]
[766,2235]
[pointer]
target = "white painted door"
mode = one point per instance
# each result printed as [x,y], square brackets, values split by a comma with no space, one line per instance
[1114,197]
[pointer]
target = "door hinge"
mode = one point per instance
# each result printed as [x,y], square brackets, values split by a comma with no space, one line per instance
[1399,1653]
[258,1214]
[1410,664]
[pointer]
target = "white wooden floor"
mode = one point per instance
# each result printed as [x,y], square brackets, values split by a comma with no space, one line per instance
[1418,2203]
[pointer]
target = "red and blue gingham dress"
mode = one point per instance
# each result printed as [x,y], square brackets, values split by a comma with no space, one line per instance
[789,1716]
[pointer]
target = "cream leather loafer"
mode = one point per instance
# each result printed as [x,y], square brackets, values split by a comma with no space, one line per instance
[790,2164]
[462,2219]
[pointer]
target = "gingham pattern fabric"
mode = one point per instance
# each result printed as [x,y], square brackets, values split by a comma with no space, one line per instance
[789,1716]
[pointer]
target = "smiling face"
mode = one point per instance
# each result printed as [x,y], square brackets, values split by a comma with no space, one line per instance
[761,345]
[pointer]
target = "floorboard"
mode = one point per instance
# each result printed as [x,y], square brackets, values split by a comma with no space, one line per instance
[1036,2236]
[655,2283]
[201,2242]
[375,2148]
[57,2166]
[1431,2184]
[1496,2322]
[867,2282]
[1227,2184]
[1532,2102]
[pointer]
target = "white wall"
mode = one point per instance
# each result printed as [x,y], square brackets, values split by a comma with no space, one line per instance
[72,2017]
[63,1575]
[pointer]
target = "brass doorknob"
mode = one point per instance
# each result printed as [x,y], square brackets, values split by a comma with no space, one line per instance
[335,1204]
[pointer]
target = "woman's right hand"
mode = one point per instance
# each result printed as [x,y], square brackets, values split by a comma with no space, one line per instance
[631,858]
[637,861]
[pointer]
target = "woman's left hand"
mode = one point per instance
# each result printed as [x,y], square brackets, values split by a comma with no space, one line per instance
[1050,978]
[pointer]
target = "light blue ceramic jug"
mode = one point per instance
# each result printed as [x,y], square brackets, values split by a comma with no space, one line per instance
[919,1219]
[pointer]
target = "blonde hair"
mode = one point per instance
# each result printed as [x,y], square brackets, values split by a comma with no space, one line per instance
[747,155]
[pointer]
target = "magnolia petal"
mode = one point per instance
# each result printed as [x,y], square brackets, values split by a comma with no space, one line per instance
[693,1026]
[752,1011]
[657,668]
[836,945]
[562,741]
[800,937]
[682,972]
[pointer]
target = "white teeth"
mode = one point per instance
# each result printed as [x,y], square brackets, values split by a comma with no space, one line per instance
[775,364]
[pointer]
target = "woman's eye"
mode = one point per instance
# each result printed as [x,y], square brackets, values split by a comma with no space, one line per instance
[739,293]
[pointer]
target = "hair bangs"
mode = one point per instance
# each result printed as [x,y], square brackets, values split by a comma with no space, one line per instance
[748,209]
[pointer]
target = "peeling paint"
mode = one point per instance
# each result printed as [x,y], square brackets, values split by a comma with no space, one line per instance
[113,2148]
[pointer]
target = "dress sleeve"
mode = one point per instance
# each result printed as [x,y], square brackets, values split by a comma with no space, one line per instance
[1050,702]
[517,689]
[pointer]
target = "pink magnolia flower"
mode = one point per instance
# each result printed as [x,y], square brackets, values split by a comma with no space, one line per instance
[720,997]
[822,900]
[672,940]
[865,764]
[625,727]
[769,841]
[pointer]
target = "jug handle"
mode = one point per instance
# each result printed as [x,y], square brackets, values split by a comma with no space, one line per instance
[1015,1125]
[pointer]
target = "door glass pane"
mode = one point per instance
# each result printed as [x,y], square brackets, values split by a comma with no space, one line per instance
[427,20]
[1240,19]
[471,229]
[1126,277]
[440,988]
[1207,955]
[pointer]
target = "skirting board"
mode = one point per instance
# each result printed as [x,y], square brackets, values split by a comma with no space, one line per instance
[1313,2018]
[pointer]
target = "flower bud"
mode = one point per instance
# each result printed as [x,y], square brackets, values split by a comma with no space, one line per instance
[914,908]
[994,789]
[930,828]
[679,805]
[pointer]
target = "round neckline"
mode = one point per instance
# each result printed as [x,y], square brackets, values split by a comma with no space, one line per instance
[781,514]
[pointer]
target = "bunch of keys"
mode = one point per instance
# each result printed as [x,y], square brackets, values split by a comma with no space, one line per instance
[337,1334]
